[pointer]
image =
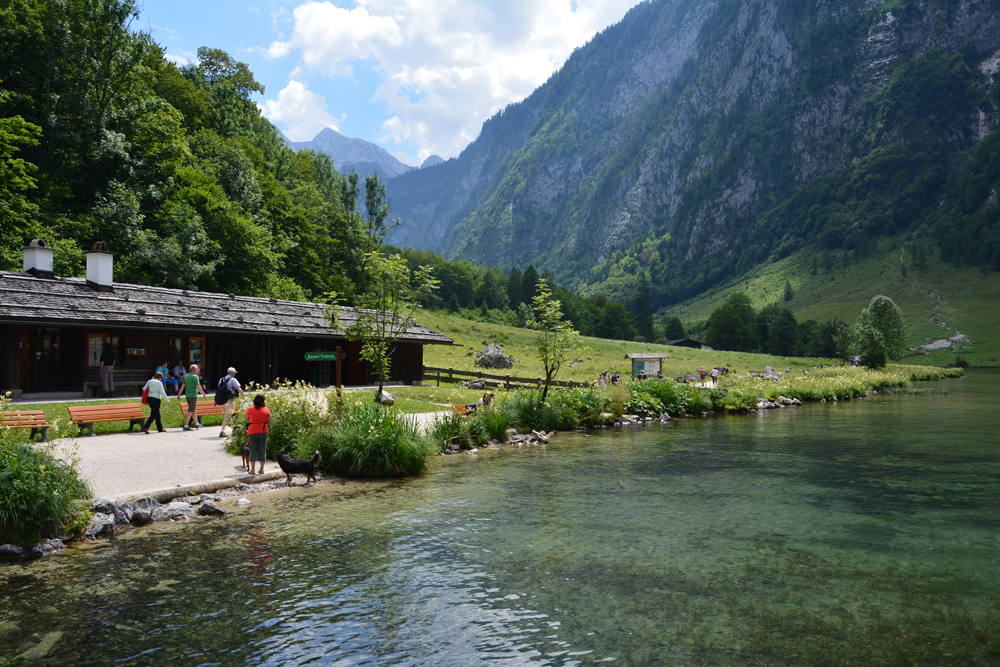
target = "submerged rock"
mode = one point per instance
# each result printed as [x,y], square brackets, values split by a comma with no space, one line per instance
[46,547]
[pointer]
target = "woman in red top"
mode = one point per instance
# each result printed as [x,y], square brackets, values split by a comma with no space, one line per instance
[260,421]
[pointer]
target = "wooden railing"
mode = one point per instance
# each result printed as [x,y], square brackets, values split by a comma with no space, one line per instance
[505,381]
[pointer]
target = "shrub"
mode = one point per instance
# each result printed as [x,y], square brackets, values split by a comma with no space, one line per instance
[448,429]
[673,396]
[495,422]
[297,411]
[372,441]
[642,403]
[619,395]
[38,491]
[527,412]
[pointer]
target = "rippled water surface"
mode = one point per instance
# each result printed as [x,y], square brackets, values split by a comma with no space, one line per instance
[852,533]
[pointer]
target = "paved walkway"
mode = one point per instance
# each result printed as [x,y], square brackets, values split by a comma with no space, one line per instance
[132,464]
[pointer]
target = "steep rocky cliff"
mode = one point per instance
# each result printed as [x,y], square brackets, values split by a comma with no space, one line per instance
[699,137]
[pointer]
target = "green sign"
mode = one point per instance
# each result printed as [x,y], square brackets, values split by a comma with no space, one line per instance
[320,356]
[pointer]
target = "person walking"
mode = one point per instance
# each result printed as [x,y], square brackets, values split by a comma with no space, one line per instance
[260,423]
[157,394]
[192,386]
[715,377]
[108,359]
[602,380]
[234,388]
[702,372]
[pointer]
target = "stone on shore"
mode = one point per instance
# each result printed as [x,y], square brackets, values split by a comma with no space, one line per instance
[12,551]
[771,374]
[172,512]
[385,398]
[209,508]
[100,524]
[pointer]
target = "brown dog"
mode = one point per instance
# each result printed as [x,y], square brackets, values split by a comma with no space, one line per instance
[298,467]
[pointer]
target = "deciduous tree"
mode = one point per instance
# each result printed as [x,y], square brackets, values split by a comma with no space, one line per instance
[556,337]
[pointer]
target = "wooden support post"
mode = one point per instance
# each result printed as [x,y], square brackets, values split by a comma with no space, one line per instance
[450,378]
[439,379]
[539,380]
[506,383]
[340,353]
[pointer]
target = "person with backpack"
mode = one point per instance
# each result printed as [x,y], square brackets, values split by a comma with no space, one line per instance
[225,395]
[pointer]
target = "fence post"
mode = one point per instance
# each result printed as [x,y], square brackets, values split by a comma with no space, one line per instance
[506,384]
[571,383]
[450,378]
[539,383]
[439,379]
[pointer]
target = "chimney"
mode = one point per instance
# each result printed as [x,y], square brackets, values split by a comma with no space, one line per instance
[38,259]
[100,267]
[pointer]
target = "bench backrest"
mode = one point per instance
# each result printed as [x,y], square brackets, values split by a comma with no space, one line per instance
[23,418]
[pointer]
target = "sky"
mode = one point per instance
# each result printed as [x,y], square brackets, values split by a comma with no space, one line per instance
[417,77]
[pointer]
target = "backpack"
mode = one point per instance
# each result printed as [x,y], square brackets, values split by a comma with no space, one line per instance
[222,393]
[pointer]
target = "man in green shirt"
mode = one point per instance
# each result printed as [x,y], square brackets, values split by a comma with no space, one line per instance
[192,386]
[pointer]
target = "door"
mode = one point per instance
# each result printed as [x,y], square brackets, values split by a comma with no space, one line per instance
[25,363]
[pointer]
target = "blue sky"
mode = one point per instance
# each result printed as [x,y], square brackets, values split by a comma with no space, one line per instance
[417,77]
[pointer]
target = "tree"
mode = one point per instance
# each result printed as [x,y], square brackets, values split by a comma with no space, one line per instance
[748,318]
[789,294]
[644,314]
[880,332]
[556,337]
[674,329]
[725,329]
[384,309]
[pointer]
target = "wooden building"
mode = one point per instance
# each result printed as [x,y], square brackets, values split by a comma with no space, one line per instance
[52,331]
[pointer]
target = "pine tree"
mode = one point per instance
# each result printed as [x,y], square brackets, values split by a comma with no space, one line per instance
[789,294]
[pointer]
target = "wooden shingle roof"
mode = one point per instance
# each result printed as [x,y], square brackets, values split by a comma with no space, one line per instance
[25,299]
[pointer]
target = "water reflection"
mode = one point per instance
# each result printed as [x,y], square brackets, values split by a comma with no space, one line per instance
[837,534]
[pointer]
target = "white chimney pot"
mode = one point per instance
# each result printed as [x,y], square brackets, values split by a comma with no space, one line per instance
[100,268]
[38,259]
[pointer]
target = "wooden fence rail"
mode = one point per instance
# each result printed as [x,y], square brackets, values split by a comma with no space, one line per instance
[506,381]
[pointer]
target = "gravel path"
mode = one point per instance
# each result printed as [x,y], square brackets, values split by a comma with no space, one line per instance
[133,463]
[125,463]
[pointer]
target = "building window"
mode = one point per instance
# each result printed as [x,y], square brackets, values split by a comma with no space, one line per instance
[95,345]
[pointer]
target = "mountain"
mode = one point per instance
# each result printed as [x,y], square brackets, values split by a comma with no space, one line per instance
[352,154]
[431,161]
[697,139]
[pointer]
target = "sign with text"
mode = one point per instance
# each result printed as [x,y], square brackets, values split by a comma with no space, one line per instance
[320,356]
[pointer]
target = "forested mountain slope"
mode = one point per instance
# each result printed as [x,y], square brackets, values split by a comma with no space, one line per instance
[351,154]
[698,138]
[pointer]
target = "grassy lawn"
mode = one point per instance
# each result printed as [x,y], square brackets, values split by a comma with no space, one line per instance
[57,415]
[965,299]
[595,355]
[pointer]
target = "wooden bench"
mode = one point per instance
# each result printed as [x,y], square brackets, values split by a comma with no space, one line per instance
[85,416]
[33,419]
[207,408]
[464,409]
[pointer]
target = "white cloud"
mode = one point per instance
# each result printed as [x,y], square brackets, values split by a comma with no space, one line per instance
[303,111]
[445,65]
[182,57]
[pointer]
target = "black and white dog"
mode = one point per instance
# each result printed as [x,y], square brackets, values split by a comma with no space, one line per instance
[298,466]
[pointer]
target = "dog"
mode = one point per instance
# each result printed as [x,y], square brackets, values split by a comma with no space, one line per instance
[245,450]
[298,467]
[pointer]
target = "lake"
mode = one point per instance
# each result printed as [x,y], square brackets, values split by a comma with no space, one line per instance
[863,532]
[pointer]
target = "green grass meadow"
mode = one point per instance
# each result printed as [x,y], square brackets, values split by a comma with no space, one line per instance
[963,299]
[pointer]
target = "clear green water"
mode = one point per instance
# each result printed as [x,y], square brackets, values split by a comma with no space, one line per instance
[853,533]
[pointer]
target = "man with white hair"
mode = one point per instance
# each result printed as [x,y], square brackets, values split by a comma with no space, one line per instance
[233,385]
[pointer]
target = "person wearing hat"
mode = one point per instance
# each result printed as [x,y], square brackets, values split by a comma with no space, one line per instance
[234,390]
